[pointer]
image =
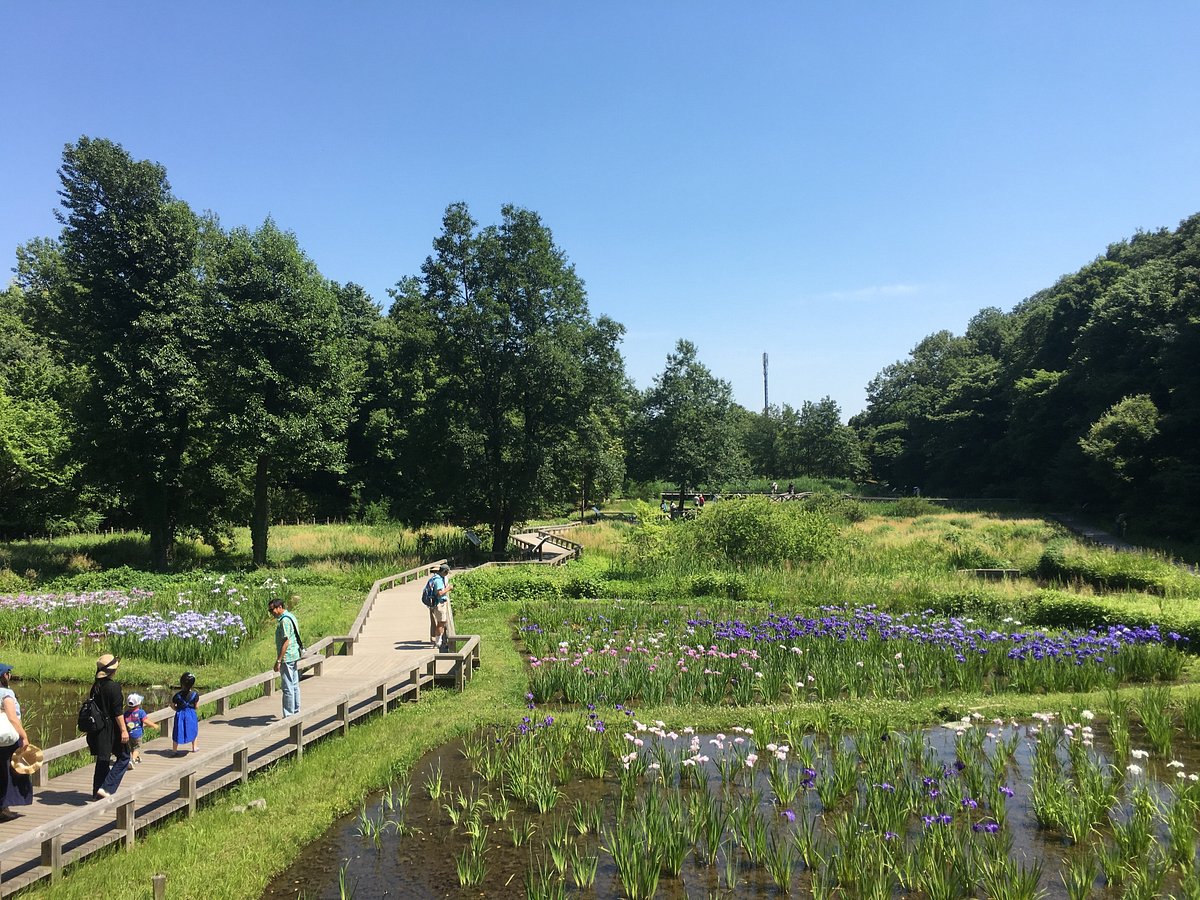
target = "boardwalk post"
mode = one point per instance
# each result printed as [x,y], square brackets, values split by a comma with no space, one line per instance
[415,678]
[187,791]
[126,822]
[298,739]
[269,686]
[222,705]
[381,698]
[241,763]
[42,775]
[52,856]
[343,711]
[160,886]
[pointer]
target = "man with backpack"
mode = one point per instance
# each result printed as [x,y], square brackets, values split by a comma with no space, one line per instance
[287,648]
[436,596]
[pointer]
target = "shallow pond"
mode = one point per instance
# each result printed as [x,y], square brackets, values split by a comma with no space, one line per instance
[49,709]
[420,854]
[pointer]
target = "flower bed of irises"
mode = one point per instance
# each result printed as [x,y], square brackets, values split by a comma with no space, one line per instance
[605,803]
[202,625]
[653,655]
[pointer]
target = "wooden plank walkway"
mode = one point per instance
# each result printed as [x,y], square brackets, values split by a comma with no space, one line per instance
[386,657]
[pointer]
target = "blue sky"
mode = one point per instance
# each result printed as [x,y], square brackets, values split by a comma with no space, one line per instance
[827,183]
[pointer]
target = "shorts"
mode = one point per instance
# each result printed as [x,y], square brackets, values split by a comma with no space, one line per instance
[439,614]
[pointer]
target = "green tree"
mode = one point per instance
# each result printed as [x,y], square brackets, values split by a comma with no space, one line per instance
[814,441]
[285,361]
[690,424]
[126,302]
[524,373]
[37,474]
[1119,443]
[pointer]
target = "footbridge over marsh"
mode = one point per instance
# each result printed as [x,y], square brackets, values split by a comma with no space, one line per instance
[385,657]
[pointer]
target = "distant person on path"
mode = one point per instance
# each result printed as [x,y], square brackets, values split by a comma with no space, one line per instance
[110,745]
[791,490]
[136,725]
[439,612]
[287,650]
[700,501]
[1122,523]
[186,727]
[15,789]
[774,488]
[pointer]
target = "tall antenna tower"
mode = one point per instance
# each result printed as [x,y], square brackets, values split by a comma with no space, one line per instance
[766,404]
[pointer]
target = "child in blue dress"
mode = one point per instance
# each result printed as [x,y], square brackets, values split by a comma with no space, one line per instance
[186,726]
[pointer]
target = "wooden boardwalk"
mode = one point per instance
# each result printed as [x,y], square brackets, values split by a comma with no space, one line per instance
[386,657]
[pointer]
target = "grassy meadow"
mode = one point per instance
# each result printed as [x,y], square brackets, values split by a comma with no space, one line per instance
[812,617]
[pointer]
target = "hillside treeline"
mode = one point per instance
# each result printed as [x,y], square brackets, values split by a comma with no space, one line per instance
[160,371]
[1086,393]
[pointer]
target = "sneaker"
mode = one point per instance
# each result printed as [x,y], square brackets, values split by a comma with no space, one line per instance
[101,793]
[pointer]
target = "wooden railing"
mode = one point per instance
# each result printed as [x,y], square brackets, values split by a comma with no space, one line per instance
[313,658]
[235,761]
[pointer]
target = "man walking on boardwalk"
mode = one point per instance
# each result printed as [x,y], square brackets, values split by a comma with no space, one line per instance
[287,650]
[439,610]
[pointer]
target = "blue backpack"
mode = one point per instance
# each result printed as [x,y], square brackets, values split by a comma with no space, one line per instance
[429,596]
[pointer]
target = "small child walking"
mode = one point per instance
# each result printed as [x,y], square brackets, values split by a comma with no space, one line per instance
[186,726]
[135,724]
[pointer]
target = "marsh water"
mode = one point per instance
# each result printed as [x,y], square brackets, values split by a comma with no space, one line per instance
[421,863]
[49,709]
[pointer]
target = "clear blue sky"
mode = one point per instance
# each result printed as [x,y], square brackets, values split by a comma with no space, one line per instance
[825,182]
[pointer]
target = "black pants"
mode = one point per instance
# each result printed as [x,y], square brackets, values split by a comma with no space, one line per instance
[108,775]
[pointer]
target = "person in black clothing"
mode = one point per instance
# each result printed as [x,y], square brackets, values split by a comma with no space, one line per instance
[113,739]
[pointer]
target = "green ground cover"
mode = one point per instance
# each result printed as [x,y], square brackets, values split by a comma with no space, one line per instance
[904,564]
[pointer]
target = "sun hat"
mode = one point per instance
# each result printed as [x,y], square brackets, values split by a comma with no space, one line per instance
[27,760]
[444,568]
[106,665]
[135,699]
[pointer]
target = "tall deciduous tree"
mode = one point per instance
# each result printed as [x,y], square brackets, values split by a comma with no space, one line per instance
[690,423]
[814,441]
[286,362]
[522,367]
[128,306]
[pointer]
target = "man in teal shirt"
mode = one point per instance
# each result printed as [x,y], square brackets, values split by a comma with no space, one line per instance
[287,655]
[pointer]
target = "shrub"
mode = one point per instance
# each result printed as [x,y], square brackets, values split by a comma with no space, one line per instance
[910,508]
[583,587]
[499,584]
[838,507]
[756,531]
[967,551]
[719,584]
[1109,570]
[1059,609]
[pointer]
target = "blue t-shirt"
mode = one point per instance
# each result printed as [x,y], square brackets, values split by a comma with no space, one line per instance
[133,722]
[439,585]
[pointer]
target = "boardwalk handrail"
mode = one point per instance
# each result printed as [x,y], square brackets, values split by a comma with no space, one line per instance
[273,740]
[405,675]
[314,656]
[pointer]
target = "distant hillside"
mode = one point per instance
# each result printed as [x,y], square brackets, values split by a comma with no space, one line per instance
[1088,391]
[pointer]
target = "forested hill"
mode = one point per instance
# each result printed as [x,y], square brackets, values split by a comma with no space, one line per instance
[1086,392]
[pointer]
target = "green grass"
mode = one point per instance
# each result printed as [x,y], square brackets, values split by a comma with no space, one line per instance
[897,561]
